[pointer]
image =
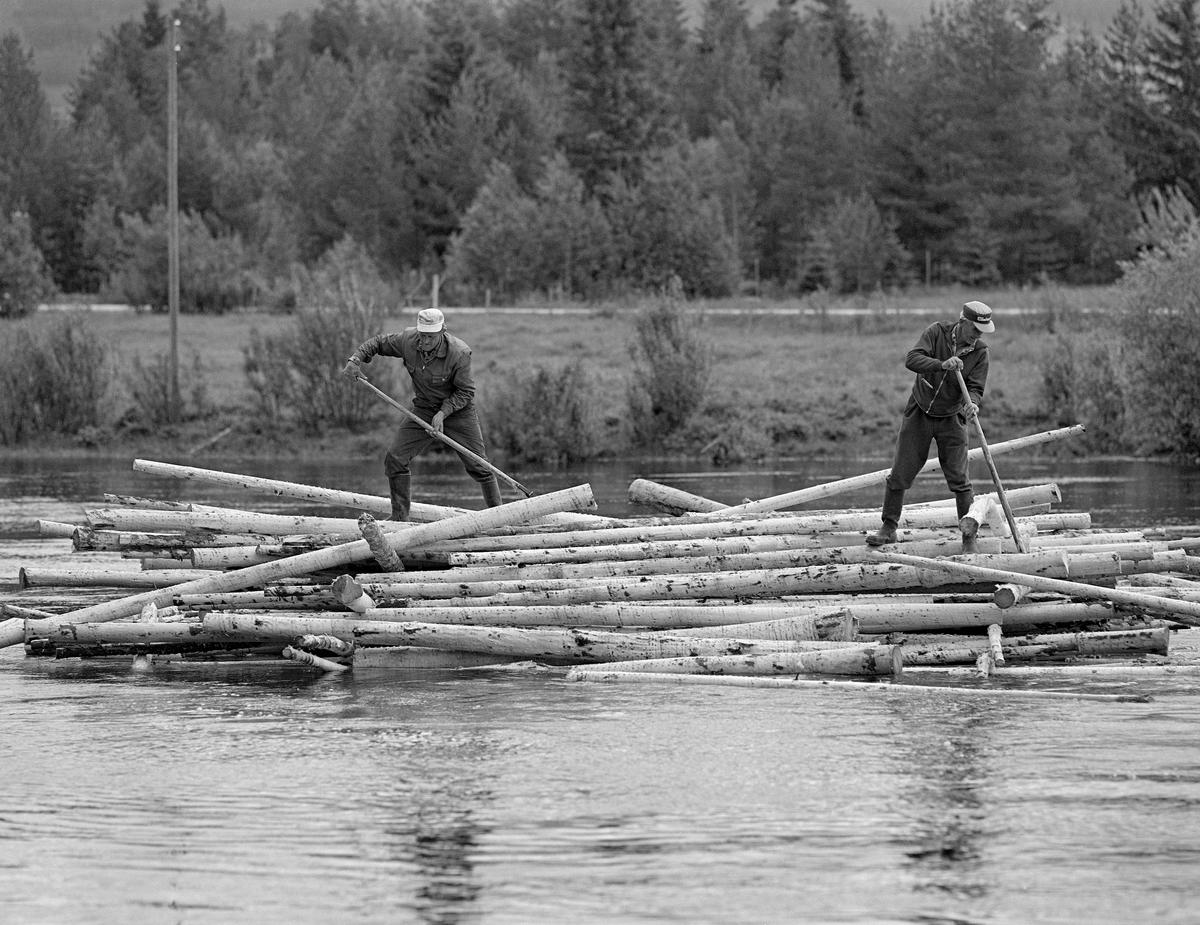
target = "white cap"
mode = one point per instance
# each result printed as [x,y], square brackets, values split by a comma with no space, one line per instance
[430,320]
[980,315]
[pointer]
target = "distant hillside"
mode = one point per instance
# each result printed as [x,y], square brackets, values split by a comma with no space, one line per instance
[62,33]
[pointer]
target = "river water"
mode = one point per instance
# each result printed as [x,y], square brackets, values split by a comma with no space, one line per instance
[199,793]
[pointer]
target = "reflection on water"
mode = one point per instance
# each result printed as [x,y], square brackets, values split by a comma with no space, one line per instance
[215,793]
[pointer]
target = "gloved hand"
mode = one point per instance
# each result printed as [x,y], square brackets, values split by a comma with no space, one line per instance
[438,421]
[952,363]
[353,369]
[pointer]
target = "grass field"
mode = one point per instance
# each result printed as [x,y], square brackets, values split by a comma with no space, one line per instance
[788,378]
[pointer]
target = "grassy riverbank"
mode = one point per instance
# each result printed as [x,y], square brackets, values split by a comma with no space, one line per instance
[792,378]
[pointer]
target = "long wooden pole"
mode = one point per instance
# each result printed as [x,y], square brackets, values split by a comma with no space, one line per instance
[991,463]
[453,444]
[173,212]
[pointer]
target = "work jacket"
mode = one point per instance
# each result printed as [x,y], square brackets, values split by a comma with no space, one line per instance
[441,380]
[936,390]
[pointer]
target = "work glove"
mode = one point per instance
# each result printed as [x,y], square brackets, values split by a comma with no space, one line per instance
[438,421]
[952,363]
[353,369]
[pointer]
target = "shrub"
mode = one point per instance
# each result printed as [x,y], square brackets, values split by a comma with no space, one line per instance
[1158,322]
[853,249]
[149,385]
[549,416]
[295,376]
[24,277]
[1082,383]
[671,371]
[214,274]
[55,376]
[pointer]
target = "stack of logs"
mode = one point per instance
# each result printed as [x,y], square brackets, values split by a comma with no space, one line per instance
[704,591]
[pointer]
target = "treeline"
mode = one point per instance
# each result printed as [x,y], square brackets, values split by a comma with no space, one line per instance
[590,148]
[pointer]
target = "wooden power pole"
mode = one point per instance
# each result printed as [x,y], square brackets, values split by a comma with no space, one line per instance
[173,212]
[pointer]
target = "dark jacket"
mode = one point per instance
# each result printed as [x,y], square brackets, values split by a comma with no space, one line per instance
[936,390]
[442,380]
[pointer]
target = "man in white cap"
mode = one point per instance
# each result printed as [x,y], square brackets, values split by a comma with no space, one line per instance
[937,412]
[443,396]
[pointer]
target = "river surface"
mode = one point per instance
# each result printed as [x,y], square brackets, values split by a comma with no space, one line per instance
[198,793]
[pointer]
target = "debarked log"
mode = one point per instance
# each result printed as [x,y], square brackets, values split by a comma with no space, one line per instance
[42,577]
[749,583]
[894,617]
[1184,611]
[579,497]
[866,480]
[1107,643]
[851,660]
[825,622]
[547,643]
[890,688]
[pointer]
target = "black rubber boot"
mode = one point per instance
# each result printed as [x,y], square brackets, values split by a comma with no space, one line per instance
[893,503]
[491,492]
[401,495]
[969,526]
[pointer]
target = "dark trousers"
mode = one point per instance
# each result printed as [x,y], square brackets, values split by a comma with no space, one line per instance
[412,440]
[917,431]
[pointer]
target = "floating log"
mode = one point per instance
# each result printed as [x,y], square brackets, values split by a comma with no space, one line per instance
[151,520]
[553,643]
[1167,581]
[123,633]
[307,658]
[1106,671]
[833,626]
[463,525]
[1184,611]
[55,529]
[670,500]
[601,676]
[374,504]
[746,583]
[38,576]
[312,643]
[405,658]
[1074,538]
[387,558]
[852,660]
[841,486]
[1008,595]
[310,494]
[688,548]
[670,565]
[1112,642]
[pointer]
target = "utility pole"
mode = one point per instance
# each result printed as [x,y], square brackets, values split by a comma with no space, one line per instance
[173,212]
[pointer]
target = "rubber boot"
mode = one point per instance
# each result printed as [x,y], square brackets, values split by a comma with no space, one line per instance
[893,503]
[401,495]
[491,492]
[969,526]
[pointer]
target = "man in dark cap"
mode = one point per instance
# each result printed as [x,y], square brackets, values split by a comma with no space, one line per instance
[937,411]
[443,396]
